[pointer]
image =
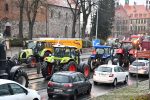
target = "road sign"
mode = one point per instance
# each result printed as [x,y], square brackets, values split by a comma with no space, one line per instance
[96,42]
[143,54]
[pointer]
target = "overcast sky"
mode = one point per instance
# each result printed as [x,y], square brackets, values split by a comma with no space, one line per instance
[138,2]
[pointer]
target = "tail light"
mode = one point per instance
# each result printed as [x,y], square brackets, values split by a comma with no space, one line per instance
[50,84]
[68,85]
[111,75]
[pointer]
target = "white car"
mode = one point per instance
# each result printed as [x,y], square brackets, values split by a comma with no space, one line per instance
[10,90]
[110,74]
[139,67]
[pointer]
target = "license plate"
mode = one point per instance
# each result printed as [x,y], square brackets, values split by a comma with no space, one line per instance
[57,90]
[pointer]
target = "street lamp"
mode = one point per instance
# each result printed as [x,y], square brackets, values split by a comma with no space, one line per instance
[97,20]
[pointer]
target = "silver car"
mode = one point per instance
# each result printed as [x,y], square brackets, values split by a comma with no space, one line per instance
[139,67]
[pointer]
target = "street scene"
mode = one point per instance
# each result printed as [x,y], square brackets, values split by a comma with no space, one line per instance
[74,49]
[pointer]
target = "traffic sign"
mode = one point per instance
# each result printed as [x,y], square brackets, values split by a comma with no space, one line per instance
[143,54]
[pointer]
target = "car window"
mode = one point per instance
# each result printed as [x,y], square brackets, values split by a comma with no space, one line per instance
[120,69]
[76,78]
[104,69]
[4,90]
[60,78]
[16,89]
[82,78]
[116,69]
[136,63]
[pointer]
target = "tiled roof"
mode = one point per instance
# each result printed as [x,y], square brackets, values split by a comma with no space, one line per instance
[137,11]
[62,3]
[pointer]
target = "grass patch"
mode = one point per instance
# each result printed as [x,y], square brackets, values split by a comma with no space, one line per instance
[128,93]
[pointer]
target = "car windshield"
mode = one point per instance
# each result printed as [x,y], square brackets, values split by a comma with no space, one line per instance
[138,63]
[104,69]
[60,78]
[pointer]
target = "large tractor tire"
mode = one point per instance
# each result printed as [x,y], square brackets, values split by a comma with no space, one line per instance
[85,69]
[21,77]
[71,66]
[47,70]
[31,61]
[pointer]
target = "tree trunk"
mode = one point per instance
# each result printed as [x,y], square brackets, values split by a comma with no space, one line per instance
[21,20]
[84,27]
[74,28]
[31,24]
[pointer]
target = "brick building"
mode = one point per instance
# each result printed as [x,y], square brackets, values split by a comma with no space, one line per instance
[131,19]
[57,16]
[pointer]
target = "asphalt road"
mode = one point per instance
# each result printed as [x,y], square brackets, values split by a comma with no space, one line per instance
[38,83]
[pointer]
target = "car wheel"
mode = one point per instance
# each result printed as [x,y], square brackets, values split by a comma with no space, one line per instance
[50,95]
[126,80]
[115,83]
[95,83]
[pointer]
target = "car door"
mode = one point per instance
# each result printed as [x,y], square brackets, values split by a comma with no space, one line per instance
[84,83]
[5,93]
[77,83]
[18,92]
[122,74]
[117,73]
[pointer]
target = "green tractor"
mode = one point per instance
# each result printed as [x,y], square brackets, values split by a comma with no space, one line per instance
[64,58]
[35,51]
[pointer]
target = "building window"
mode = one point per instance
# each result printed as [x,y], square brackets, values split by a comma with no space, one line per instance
[52,13]
[136,15]
[6,7]
[66,15]
[59,15]
[140,15]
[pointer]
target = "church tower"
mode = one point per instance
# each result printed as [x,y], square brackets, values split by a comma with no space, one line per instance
[147,4]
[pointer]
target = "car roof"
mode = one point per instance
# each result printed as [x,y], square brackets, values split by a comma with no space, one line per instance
[68,73]
[108,65]
[141,61]
[5,81]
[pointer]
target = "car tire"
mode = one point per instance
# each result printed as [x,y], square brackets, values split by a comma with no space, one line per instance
[126,80]
[115,82]
[95,83]
[50,95]
[21,77]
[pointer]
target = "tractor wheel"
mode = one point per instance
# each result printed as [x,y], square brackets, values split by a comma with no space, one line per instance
[47,70]
[21,77]
[71,66]
[131,58]
[85,69]
[31,62]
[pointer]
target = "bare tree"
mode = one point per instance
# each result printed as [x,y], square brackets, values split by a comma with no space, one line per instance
[86,6]
[75,9]
[31,7]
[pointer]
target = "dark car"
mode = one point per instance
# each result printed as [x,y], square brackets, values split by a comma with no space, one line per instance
[68,84]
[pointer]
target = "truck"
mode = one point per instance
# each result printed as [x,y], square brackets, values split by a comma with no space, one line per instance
[65,58]
[9,69]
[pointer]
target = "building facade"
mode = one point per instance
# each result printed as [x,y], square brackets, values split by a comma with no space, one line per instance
[54,20]
[131,19]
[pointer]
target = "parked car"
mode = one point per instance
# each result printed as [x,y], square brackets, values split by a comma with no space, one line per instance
[10,90]
[68,84]
[139,67]
[110,74]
